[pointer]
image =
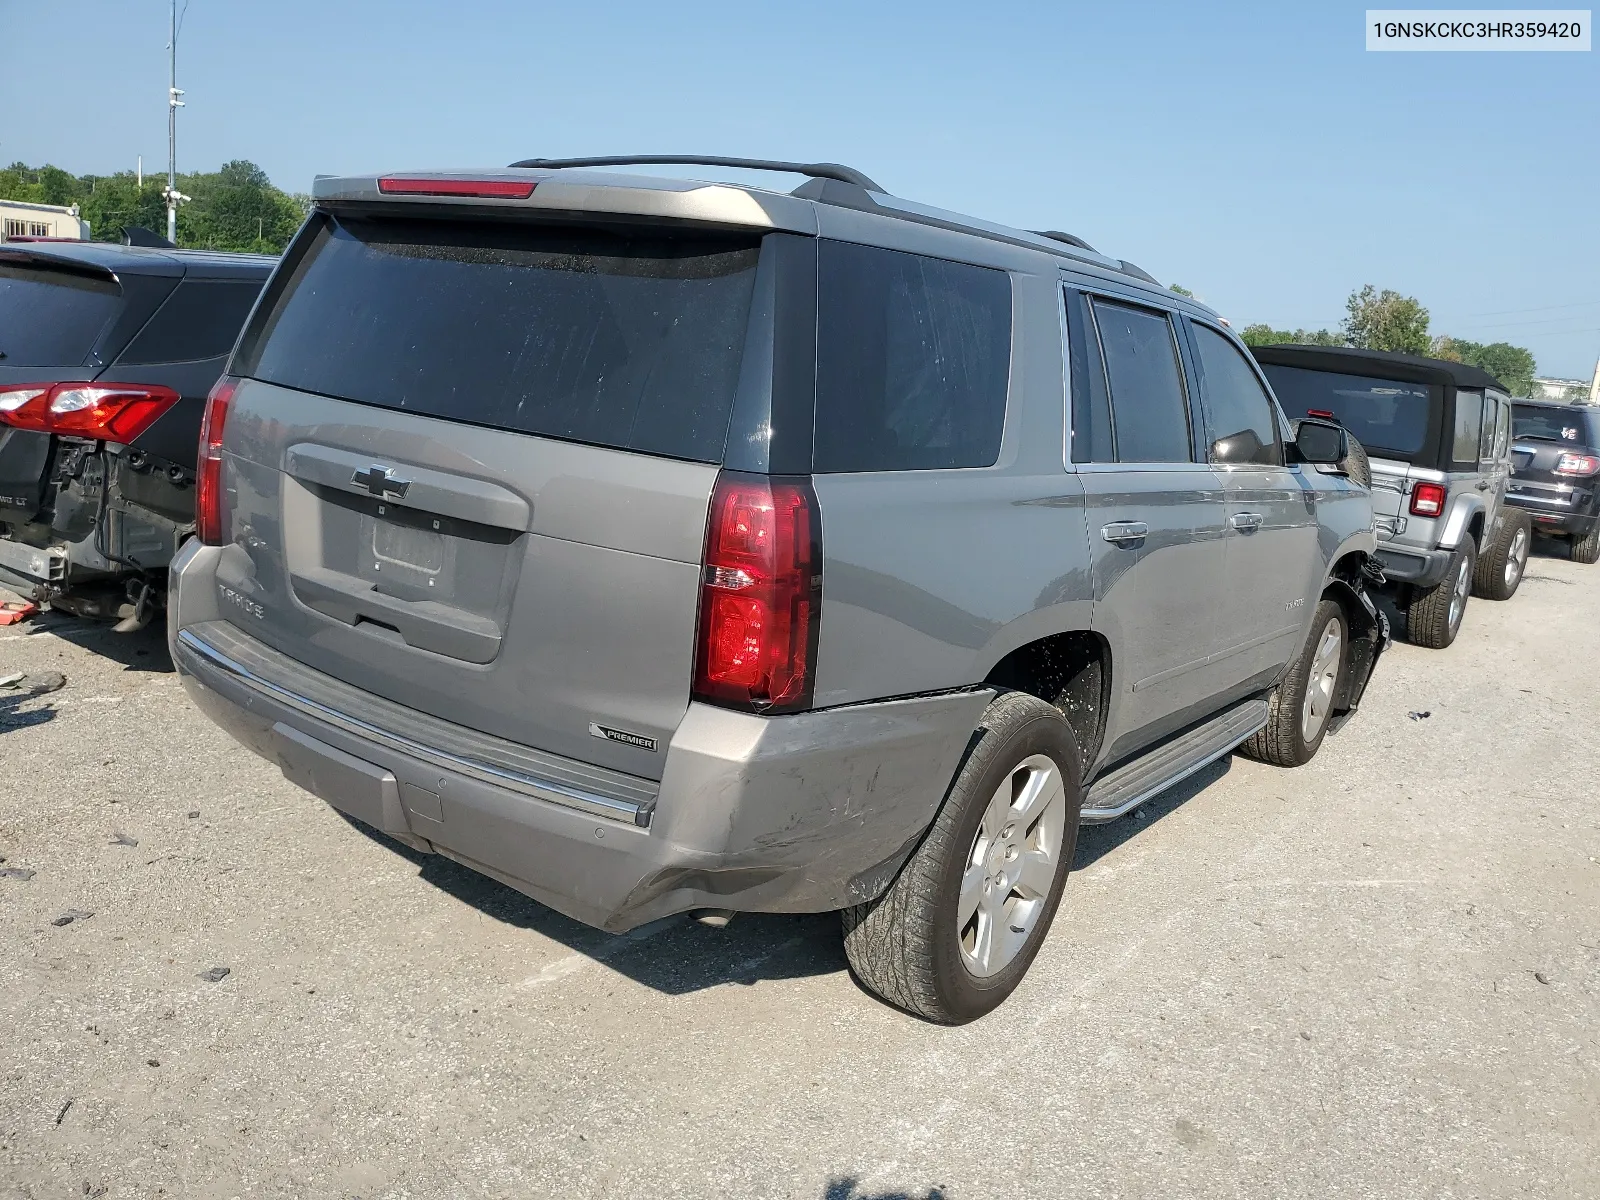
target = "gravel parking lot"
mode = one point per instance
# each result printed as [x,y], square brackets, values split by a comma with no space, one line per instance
[1376,976]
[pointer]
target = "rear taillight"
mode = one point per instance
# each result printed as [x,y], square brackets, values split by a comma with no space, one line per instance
[107,412]
[210,513]
[1572,464]
[761,595]
[1427,499]
[493,189]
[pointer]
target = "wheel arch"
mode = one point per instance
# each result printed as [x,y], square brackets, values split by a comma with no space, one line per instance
[1071,670]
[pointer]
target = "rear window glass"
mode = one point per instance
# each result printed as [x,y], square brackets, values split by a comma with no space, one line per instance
[201,319]
[1555,425]
[632,342]
[913,360]
[52,318]
[1383,414]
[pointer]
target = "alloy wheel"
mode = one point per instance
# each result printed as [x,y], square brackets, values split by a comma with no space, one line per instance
[1011,866]
[1325,661]
[1517,559]
[1458,598]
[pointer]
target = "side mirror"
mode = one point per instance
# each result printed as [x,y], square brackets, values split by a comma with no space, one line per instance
[1320,443]
[1242,447]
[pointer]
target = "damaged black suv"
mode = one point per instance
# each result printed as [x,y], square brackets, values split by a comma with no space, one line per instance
[106,355]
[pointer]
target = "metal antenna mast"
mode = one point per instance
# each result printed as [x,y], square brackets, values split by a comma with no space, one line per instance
[173,197]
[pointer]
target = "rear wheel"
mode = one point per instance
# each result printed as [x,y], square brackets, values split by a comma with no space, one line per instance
[957,930]
[1499,571]
[1433,616]
[1298,712]
[1586,549]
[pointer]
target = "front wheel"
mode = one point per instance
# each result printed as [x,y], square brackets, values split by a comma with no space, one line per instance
[960,925]
[1499,571]
[1300,706]
[1433,617]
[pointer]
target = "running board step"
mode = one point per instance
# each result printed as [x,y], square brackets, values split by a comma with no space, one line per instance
[1150,774]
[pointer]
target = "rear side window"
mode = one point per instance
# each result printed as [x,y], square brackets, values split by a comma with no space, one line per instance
[913,361]
[201,319]
[1242,416]
[1149,414]
[621,340]
[1469,426]
[52,318]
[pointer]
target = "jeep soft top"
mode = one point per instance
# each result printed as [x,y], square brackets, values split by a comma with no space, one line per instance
[1393,422]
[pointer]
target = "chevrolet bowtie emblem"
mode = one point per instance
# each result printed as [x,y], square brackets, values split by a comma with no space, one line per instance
[381,482]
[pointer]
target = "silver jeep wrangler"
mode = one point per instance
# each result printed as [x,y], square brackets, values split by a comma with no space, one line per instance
[655,545]
[1438,437]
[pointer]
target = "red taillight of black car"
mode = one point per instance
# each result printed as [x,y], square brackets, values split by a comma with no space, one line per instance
[210,511]
[760,596]
[1578,465]
[107,412]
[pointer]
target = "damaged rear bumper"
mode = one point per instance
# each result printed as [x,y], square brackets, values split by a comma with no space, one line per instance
[803,813]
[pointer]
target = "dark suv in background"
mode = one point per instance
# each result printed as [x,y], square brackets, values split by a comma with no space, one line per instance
[1556,460]
[106,355]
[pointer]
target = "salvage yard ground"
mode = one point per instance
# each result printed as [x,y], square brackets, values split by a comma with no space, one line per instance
[1378,975]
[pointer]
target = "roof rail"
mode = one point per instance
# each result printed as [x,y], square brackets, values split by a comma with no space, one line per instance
[814,170]
[1055,235]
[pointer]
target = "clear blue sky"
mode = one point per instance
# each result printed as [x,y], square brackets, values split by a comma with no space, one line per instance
[1255,153]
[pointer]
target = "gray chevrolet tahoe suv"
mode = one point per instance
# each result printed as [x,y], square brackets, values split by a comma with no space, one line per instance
[654,545]
[1438,437]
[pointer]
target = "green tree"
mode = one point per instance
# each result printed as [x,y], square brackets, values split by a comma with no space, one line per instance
[1513,366]
[1266,335]
[234,208]
[1386,320]
[1180,289]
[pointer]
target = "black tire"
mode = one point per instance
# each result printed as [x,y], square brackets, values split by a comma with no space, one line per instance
[1499,571]
[1586,549]
[905,945]
[1428,620]
[1282,741]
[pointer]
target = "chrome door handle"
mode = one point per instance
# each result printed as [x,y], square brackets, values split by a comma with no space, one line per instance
[1119,532]
[1246,521]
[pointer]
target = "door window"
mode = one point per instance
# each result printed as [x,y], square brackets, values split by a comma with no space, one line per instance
[1091,403]
[1491,421]
[1469,426]
[1149,413]
[1243,424]
[1502,439]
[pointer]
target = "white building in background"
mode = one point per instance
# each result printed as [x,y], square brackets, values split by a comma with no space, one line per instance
[21,219]
[1558,389]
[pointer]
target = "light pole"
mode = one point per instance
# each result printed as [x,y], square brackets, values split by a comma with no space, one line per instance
[173,105]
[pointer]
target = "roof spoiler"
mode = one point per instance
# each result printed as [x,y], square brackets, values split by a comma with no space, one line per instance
[813,170]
